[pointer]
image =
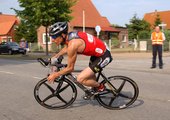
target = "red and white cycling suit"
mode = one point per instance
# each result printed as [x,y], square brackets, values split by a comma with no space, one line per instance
[93,45]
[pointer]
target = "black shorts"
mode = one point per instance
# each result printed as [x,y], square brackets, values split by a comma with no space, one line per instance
[98,63]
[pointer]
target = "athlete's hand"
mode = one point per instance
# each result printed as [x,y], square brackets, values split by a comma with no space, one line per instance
[52,77]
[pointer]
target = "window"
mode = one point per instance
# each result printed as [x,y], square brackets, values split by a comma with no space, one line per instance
[44,39]
[124,39]
[7,39]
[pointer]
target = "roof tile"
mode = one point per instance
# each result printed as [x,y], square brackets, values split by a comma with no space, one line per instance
[6,23]
[92,16]
[164,16]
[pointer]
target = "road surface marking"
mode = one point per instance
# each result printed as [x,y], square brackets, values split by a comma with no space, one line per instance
[6,72]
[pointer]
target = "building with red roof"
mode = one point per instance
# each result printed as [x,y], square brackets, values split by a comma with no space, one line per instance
[91,18]
[164,16]
[85,17]
[7,27]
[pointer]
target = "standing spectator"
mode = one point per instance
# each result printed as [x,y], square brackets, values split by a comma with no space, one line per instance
[22,44]
[157,38]
[27,47]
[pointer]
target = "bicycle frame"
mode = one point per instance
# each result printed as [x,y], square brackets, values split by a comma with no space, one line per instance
[74,80]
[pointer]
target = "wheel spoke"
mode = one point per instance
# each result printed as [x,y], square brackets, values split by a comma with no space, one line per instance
[60,98]
[48,97]
[120,93]
[59,86]
[121,86]
[54,96]
[111,101]
[49,87]
[65,87]
[125,96]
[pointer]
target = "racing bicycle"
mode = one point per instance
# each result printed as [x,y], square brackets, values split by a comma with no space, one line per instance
[120,92]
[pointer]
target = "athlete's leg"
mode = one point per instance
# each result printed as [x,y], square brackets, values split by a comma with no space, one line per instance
[87,77]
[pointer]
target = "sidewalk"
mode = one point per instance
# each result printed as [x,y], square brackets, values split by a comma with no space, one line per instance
[137,55]
[138,62]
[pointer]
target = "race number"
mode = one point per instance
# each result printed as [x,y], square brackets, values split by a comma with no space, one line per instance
[90,38]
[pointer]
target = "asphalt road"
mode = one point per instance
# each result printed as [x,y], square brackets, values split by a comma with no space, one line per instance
[18,78]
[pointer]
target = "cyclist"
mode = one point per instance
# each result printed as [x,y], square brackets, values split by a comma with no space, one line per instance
[80,43]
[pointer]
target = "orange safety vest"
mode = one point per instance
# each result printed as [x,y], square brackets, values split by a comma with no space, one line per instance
[157,38]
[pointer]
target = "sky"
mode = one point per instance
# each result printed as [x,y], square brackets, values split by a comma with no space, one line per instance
[117,11]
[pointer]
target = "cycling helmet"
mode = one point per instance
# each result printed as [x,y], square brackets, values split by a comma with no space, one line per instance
[58,28]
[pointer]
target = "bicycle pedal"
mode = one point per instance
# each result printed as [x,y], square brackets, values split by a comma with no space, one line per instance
[86,98]
[90,97]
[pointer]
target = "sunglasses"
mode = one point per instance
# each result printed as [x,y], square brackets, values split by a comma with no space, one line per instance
[55,36]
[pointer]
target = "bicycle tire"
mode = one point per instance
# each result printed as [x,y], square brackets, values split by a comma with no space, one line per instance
[58,95]
[111,99]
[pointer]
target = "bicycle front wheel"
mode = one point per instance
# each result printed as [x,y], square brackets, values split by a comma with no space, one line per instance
[58,95]
[120,93]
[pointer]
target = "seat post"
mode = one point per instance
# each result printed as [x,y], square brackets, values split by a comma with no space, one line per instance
[98,76]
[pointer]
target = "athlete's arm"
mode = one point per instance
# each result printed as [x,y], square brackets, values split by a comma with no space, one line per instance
[72,55]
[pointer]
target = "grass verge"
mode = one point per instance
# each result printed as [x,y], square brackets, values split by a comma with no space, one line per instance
[23,57]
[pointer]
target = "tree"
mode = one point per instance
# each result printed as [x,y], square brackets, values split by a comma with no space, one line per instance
[45,12]
[167,34]
[25,31]
[116,25]
[136,26]
[157,20]
[144,34]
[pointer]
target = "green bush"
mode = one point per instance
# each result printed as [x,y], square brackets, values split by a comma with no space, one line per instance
[144,35]
[34,47]
[167,35]
[55,48]
[115,43]
[166,46]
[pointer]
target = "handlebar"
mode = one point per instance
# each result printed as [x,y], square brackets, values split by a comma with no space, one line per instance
[58,63]
[43,62]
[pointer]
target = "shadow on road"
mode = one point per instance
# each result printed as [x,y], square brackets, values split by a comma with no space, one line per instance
[81,102]
[137,103]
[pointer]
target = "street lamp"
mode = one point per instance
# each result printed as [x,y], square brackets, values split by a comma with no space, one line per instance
[98,29]
[163,25]
[83,21]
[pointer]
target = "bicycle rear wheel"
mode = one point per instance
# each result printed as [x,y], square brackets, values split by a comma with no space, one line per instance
[120,93]
[58,95]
